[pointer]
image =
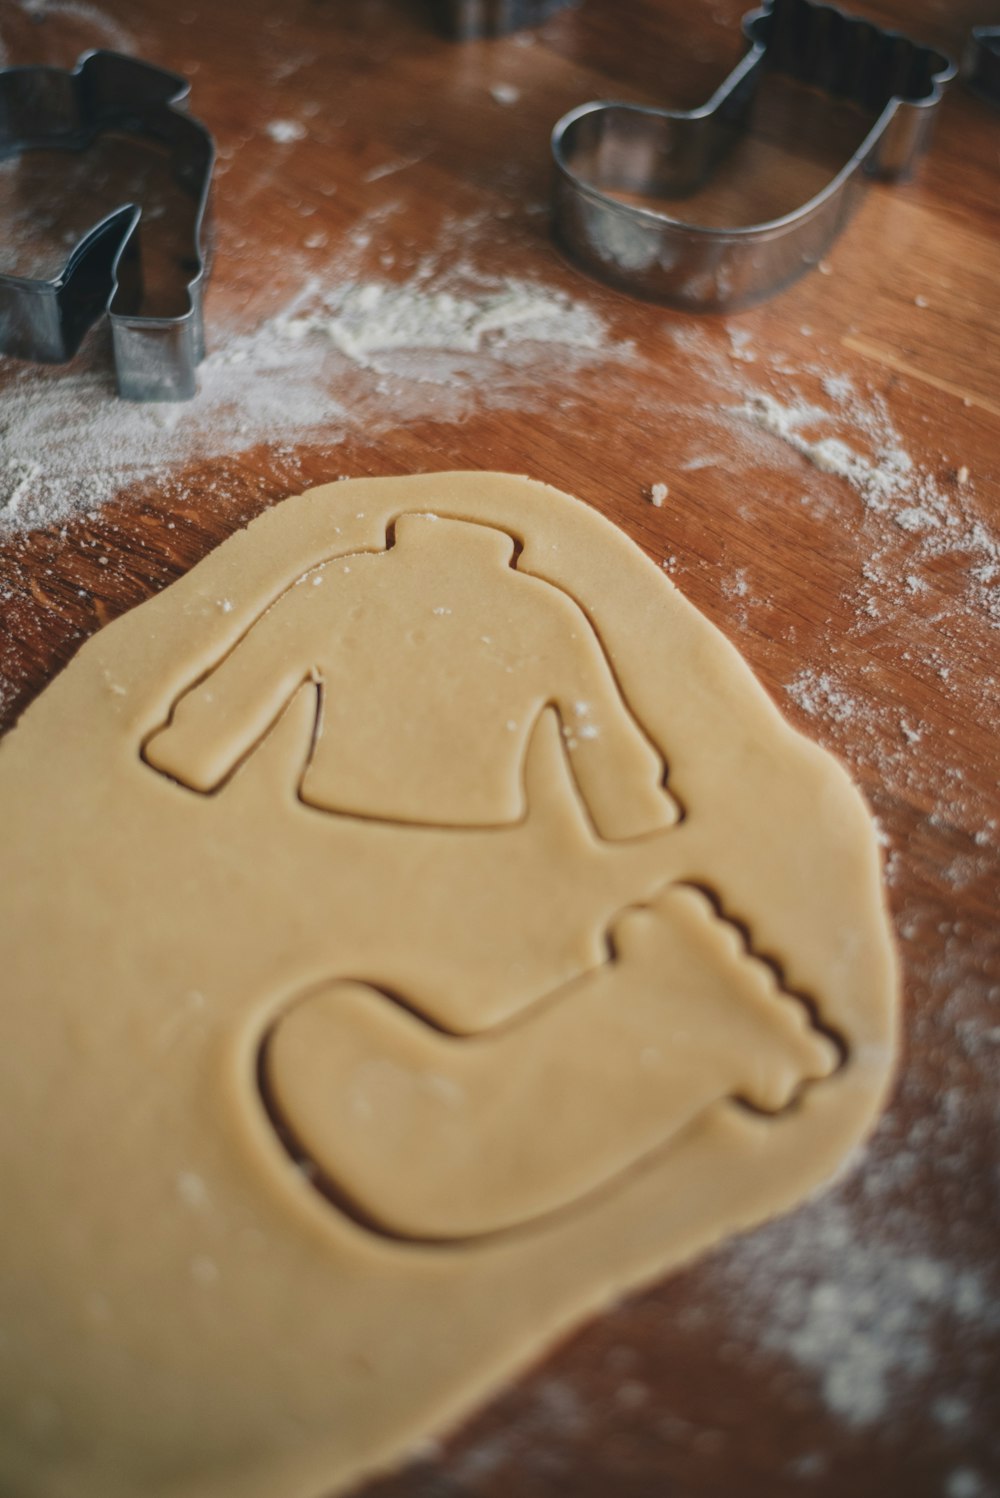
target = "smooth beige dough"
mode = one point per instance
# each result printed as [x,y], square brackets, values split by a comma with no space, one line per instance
[419,930]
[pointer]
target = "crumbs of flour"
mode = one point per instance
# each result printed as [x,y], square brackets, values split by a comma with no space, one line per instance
[285,132]
[357,355]
[923,520]
[881,479]
[913,515]
[899,523]
[820,695]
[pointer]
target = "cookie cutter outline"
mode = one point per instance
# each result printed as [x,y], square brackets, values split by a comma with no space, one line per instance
[982,62]
[471,20]
[606,147]
[46,319]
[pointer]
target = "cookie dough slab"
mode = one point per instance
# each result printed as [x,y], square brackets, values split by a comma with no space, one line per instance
[184,1313]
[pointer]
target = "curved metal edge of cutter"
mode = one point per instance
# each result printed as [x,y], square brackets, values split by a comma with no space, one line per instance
[46,319]
[982,62]
[606,148]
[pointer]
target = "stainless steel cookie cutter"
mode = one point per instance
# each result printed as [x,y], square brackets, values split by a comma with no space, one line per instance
[46,320]
[470,19]
[604,149]
[982,62]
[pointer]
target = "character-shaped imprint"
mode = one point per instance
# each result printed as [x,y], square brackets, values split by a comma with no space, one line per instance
[455,1080]
[434,651]
[429,1136]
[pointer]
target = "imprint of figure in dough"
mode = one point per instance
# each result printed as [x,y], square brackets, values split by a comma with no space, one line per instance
[432,931]
[410,684]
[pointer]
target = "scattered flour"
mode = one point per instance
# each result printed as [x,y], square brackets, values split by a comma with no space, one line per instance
[738,586]
[192,1189]
[658,494]
[909,498]
[357,355]
[20,477]
[879,480]
[860,1313]
[285,132]
[364,320]
[820,695]
[554,1414]
[740,346]
[505,93]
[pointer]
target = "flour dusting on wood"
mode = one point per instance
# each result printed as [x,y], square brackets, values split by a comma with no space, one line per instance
[346,355]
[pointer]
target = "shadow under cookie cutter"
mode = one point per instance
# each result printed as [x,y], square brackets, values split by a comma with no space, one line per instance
[43,108]
[602,149]
[469,20]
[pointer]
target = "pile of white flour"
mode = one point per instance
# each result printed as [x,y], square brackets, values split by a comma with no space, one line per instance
[353,356]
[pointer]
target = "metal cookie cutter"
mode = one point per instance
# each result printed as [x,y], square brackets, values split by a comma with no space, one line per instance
[982,62]
[470,19]
[604,149]
[44,108]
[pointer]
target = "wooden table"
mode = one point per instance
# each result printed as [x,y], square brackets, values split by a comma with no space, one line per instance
[854,1347]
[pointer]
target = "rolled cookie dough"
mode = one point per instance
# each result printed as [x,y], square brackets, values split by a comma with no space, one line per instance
[419,930]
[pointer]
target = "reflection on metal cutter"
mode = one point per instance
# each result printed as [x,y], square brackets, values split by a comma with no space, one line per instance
[468,19]
[605,150]
[44,108]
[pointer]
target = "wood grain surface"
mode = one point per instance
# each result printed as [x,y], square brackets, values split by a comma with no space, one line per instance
[855,1347]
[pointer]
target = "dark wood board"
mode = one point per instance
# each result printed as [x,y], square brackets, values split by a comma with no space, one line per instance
[854,1347]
